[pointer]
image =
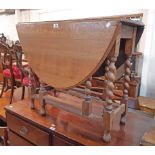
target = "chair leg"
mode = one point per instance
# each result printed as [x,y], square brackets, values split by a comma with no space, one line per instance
[4,84]
[12,90]
[23,92]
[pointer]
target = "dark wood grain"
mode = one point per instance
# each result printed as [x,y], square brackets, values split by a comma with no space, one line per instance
[3,102]
[16,140]
[82,130]
[27,131]
[147,104]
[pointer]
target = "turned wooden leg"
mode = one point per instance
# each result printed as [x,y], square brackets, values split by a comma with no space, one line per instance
[32,103]
[43,110]
[108,109]
[126,88]
[4,85]
[31,90]
[23,92]
[55,93]
[32,96]
[111,71]
[107,118]
[12,89]
[42,92]
[87,106]
[87,103]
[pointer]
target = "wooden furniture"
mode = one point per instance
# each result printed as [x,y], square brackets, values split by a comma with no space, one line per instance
[134,85]
[149,138]
[65,54]
[60,127]
[75,38]
[1,74]
[2,37]
[147,104]
[4,101]
[13,70]
[3,125]
[6,61]
[4,132]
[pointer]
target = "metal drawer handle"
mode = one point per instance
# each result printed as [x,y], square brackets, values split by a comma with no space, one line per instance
[23,130]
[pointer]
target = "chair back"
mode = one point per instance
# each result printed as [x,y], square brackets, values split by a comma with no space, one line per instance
[34,80]
[18,53]
[2,38]
[6,57]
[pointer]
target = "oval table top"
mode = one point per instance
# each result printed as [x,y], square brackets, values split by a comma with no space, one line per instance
[66,53]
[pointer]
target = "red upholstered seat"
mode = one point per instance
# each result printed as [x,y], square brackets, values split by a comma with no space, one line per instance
[26,81]
[16,72]
[17,75]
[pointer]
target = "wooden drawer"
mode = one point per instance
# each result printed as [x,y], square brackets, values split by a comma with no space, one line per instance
[57,141]
[28,131]
[15,140]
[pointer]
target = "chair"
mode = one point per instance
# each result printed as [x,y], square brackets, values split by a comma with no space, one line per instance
[12,75]
[18,74]
[28,77]
[23,68]
[2,38]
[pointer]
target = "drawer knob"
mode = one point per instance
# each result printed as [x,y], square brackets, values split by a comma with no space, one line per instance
[23,130]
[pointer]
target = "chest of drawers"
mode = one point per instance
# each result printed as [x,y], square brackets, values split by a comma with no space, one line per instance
[25,130]
[62,128]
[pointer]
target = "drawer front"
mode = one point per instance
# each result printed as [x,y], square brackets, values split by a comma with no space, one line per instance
[28,131]
[57,141]
[15,140]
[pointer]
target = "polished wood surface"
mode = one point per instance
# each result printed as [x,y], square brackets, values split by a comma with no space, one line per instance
[16,140]
[149,138]
[57,141]
[147,104]
[5,100]
[3,103]
[70,51]
[3,127]
[82,130]
[27,131]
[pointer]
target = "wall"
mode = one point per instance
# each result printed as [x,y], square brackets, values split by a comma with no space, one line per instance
[8,22]
[8,26]
[69,13]
[148,71]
